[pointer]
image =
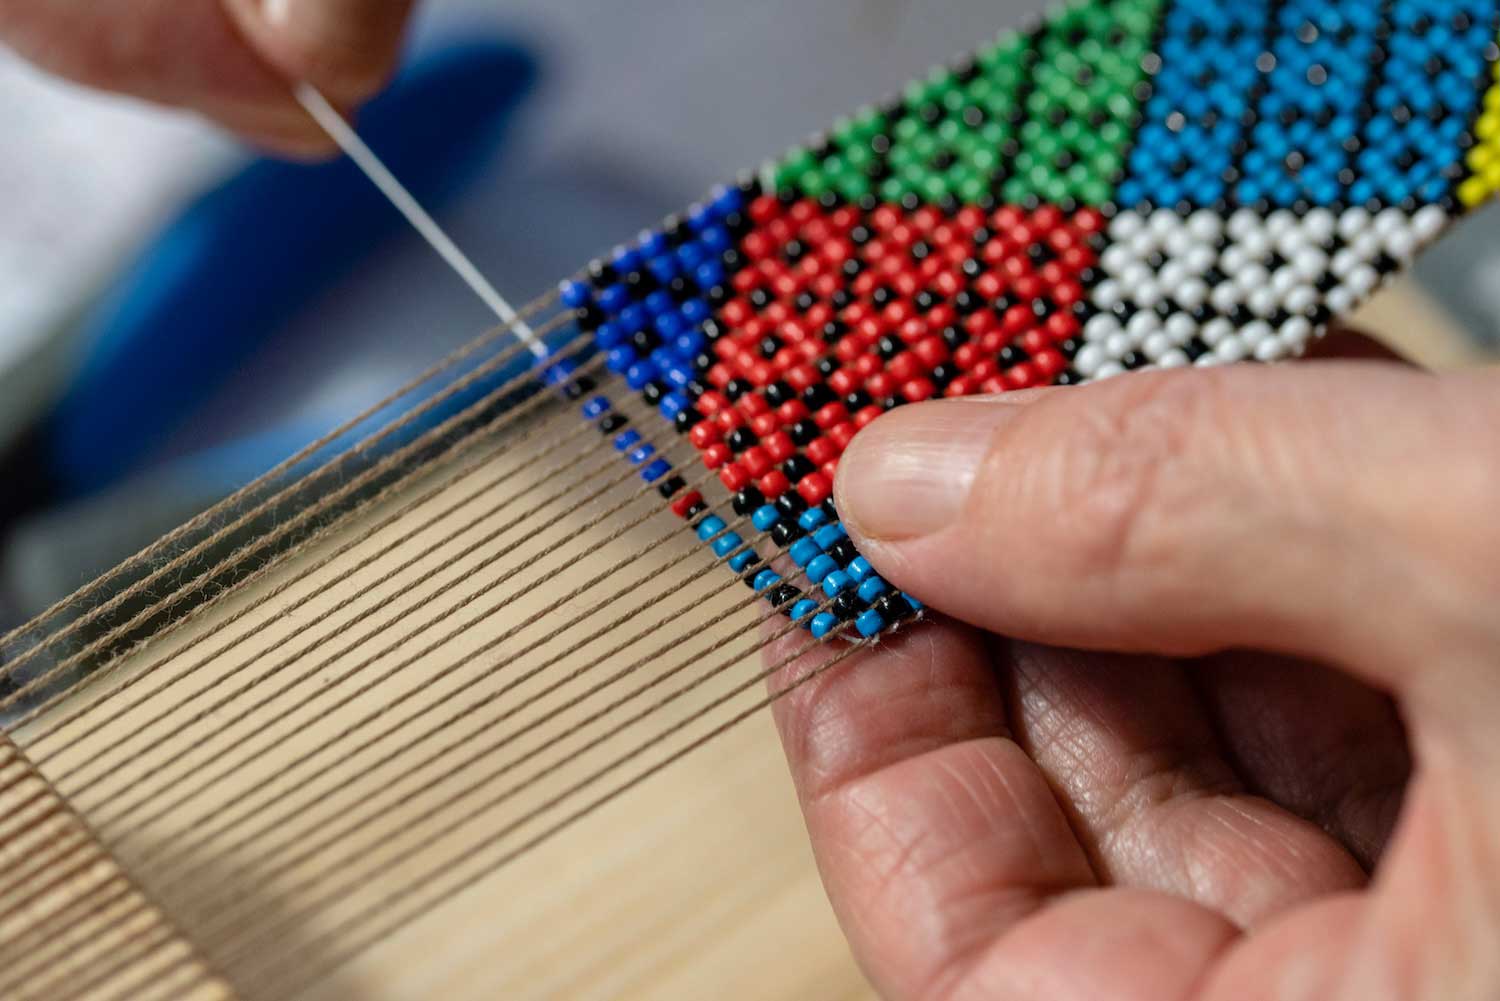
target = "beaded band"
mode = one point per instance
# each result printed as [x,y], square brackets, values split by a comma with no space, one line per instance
[1130,184]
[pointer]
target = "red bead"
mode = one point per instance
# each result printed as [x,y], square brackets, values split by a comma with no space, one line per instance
[791,412]
[820,450]
[681,504]
[711,402]
[802,376]
[720,375]
[903,367]
[774,484]
[715,456]
[734,477]
[765,424]
[829,415]
[868,414]
[844,381]
[779,446]
[815,488]
[704,434]
[842,434]
[1021,376]
[930,351]
[880,385]
[756,460]
[728,419]
[918,390]
[764,209]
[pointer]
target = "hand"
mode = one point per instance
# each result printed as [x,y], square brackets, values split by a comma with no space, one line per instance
[1010,820]
[232,60]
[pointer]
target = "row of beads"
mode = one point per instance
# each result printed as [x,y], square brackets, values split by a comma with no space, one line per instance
[657,310]
[1202,289]
[1484,159]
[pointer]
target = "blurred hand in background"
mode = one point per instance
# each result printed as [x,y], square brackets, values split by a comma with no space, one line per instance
[231,60]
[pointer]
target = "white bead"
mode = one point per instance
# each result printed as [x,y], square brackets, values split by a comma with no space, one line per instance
[1215,331]
[1157,345]
[1390,221]
[1310,264]
[1300,300]
[1144,244]
[1135,276]
[1353,222]
[1164,222]
[1341,300]
[1252,277]
[1297,330]
[1231,349]
[1225,296]
[1109,370]
[1117,258]
[1205,226]
[1345,261]
[1263,301]
[1362,281]
[1367,245]
[1242,222]
[1140,325]
[1172,274]
[1284,280]
[1429,221]
[1191,294]
[1148,294]
[1125,226]
[1200,259]
[1401,245]
[1292,242]
[1255,332]
[1088,359]
[1108,294]
[1180,328]
[1119,345]
[1320,226]
[1270,349]
[1100,326]
[1279,222]
[1172,359]
[1256,245]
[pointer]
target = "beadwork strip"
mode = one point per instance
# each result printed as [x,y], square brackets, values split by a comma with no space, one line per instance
[1129,184]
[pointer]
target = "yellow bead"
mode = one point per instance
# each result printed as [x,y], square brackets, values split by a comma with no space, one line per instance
[1472,192]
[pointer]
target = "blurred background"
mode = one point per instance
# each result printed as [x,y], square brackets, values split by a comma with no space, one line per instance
[177,316]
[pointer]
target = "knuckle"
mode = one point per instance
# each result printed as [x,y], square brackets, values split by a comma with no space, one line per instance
[1131,469]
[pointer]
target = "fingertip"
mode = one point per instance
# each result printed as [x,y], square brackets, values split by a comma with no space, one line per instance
[346,48]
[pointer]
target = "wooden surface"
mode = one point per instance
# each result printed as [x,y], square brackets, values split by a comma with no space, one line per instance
[697,884]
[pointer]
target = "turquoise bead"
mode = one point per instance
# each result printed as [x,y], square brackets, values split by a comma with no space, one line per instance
[739,561]
[871,588]
[727,543]
[869,623]
[823,624]
[804,551]
[803,609]
[820,568]
[767,579]
[859,568]
[710,527]
[836,583]
[765,517]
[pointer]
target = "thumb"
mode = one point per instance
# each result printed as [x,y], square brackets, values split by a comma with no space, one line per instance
[1324,510]
[346,48]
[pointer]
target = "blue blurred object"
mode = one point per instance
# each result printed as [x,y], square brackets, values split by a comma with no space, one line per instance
[248,255]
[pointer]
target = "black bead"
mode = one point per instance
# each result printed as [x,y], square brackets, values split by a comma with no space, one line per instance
[668,488]
[695,388]
[892,607]
[747,500]
[778,393]
[888,347]
[817,395]
[857,401]
[740,439]
[610,423]
[645,341]
[687,418]
[943,374]
[783,595]
[843,552]
[755,566]
[804,432]
[784,533]
[652,392]
[790,504]
[578,387]
[769,345]
[695,509]
[826,366]
[846,606]
[797,467]
[735,388]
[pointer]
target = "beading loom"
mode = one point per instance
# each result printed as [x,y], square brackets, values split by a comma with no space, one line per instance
[432,641]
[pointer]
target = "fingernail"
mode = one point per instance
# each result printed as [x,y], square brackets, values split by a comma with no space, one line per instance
[910,473]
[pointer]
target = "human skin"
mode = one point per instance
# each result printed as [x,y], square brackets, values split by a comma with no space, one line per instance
[1241,742]
[230,60]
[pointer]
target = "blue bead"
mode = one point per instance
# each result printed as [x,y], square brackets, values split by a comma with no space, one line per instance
[811,519]
[619,359]
[716,239]
[597,407]
[653,243]
[829,534]
[626,259]
[916,605]
[859,568]
[871,588]
[710,527]
[727,543]
[673,404]
[709,275]
[614,298]
[869,623]
[767,579]
[726,200]
[739,561]
[803,609]
[633,318]
[663,268]
[575,294]
[821,567]
[610,335]
[823,624]
[659,302]
[804,551]
[560,372]
[836,583]
[627,439]
[641,454]
[679,376]
[692,254]
[696,311]
[642,372]
[656,470]
[669,325]
[765,517]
